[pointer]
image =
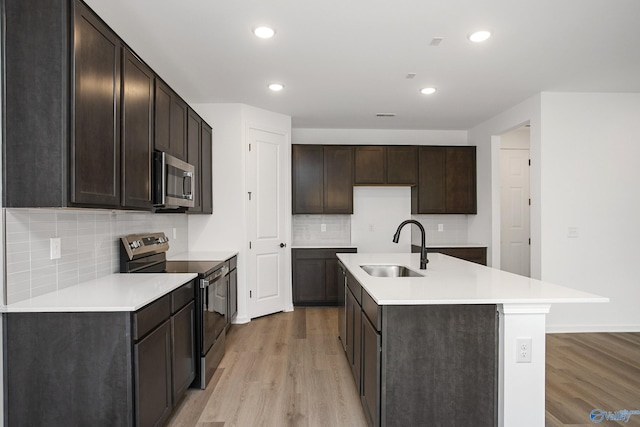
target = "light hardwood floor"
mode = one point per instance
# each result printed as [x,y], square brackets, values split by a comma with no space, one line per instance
[288,369]
[592,371]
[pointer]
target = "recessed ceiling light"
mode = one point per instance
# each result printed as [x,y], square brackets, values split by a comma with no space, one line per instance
[480,36]
[264,32]
[427,90]
[276,87]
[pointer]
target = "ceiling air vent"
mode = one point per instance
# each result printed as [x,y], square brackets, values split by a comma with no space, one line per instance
[436,41]
[385,114]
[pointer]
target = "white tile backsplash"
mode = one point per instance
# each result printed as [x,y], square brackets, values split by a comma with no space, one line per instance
[89,241]
[455,229]
[307,230]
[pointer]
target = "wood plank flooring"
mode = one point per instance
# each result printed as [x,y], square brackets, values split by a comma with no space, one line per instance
[589,371]
[288,369]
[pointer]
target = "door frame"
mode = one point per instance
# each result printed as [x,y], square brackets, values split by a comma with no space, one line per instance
[248,186]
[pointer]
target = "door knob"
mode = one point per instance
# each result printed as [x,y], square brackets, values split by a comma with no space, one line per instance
[283,245]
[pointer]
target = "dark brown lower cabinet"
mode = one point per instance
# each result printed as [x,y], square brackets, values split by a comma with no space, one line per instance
[99,368]
[152,376]
[371,351]
[316,276]
[477,254]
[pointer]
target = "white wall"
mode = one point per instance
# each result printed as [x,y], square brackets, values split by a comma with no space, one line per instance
[378,137]
[584,174]
[589,180]
[226,229]
[485,226]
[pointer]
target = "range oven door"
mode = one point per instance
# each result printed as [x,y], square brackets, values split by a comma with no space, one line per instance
[214,309]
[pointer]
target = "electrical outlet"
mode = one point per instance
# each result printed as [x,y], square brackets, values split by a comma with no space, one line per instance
[441,227]
[55,248]
[523,350]
[371,228]
[323,228]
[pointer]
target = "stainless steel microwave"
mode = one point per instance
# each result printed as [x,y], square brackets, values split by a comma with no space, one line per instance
[173,182]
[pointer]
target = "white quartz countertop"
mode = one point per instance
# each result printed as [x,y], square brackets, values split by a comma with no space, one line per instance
[116,292]
[202,256]
[449,280]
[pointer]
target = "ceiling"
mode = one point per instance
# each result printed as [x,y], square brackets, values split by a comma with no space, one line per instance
[342,62]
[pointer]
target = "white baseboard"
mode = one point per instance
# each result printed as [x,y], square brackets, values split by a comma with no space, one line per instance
[241,320]
[568,329]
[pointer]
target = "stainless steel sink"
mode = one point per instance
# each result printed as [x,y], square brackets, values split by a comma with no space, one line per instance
[390,271]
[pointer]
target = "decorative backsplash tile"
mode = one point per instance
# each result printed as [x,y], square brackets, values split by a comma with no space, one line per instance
[454,229]
[90,245]
[308,230]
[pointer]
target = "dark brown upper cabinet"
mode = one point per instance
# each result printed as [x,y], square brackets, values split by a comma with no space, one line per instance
[170,122]
[322,179]
[402,165]
[207,168]
[370,165]
[199,155]
[95,142]
[137,131]
[385,165]
[338,179]
[447,181]
[62,104]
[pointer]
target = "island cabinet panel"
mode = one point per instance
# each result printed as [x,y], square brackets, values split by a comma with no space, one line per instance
[137,131]
[371,365]
[353,342]
[316,276]
[439,363]
[446,181]
[338,179]
[95,145]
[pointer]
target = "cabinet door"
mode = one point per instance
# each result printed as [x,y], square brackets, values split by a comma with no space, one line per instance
[183,355]
[461,180]
[402,165]
[95,142]
[354,332]
[206,165]
[152,377]
[309,278]
[194,148]
[178,138]
[137,131]
[162,110]
[370,165]
[170,122]
[338,179]
[370,394]
[307,179]
[431,181]
[332,276]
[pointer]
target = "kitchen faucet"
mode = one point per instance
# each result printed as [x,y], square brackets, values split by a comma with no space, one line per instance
[423,246]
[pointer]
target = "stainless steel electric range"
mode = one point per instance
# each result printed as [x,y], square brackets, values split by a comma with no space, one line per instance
[146,253]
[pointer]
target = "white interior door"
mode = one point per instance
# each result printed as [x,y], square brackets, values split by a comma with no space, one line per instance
[514,212]
[269,260]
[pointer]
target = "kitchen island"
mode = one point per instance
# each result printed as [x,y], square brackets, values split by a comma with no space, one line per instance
[444,348]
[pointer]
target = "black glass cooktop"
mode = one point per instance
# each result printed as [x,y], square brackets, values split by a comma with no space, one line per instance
[203,268]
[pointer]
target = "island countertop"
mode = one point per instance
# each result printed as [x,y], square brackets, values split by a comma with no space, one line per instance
[449,280]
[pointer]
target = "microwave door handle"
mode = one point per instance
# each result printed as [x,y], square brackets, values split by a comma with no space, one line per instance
[186,185]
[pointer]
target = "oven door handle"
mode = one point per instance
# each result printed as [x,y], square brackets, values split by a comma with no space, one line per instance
[204,283]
